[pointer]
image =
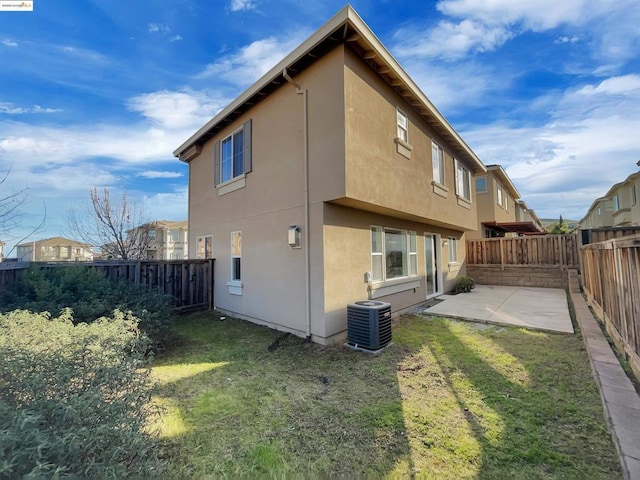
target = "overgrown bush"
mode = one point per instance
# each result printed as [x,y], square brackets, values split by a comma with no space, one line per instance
[465,284]
[90,295]
[74,399]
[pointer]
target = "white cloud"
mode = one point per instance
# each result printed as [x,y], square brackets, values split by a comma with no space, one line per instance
[171,109]
[590,143]
[237,5]
[159,174]
[11,109]
[252,61]
[168,205]
[175,38]
[566,39]
[158,27]
[539,15]
[9,43]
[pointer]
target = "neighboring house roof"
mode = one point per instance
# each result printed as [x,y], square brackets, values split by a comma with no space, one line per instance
[345,27]
[55,242]
[170,224]
[610,193]
[499,172]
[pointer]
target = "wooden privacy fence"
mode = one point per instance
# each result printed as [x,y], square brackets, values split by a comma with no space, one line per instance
[547,250]
[188,282]
[611,281]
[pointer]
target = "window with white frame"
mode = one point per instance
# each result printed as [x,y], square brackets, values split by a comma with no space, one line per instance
[232,155]
[204,247]
[506,202]
[403,126]
[437,158]
[463,181]
[616,203]
[453,250]
[236,256]
[634,194]
[499,193]
[393,254]
[481,184]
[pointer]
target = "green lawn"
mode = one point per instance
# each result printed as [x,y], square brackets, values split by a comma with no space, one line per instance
[447,400]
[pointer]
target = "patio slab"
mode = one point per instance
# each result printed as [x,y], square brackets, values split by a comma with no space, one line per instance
[535,308]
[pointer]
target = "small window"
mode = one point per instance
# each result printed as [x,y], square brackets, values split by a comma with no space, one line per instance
[204,247]
[453,250]
[232,155]
[437,158]
[634,195]
[403,126]
[500,194]
[463,181]
[413,254]
[236,256]
[481,184]
[377,259]
[616,203]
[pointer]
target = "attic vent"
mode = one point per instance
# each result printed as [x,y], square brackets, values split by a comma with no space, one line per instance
[369,324]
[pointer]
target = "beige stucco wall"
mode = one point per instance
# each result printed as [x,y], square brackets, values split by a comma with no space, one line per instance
[376,174]
[488,208]
[273,273]
[347,236]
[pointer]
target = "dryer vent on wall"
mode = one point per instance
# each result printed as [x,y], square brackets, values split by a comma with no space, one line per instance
[369,324]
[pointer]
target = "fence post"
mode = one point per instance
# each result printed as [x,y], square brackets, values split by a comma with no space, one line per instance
[501,254]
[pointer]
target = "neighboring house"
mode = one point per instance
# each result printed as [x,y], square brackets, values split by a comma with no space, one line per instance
[332,179]
[2,244]
[56,249]
[168,240]
[500,211]
[618,208]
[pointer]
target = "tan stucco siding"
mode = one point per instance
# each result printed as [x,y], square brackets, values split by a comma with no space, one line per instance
[347,246]
[376,173]
[273,273]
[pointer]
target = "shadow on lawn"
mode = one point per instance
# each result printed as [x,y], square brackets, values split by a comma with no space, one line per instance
[445,401]
[259,403]
[528,400]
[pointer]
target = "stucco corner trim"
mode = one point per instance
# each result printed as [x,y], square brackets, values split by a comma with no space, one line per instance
[403,148]
[439,189]
[235,288]
[232,185]
[383,290]
[463,202]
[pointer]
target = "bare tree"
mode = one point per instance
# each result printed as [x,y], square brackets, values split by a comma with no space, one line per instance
[119,227]
[10,203]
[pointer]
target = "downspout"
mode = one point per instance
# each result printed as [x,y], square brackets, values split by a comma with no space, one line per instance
[306,239]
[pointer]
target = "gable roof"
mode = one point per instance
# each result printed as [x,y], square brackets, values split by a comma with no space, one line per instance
[346,27]
[500,173]
[55,242]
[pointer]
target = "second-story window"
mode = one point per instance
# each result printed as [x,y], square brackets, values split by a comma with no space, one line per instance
[403,126]
[463,181]
[481,184]
[437,157]
[231,156]
[500,194]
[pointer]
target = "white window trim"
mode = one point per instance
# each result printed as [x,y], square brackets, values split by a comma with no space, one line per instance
[230,136]
[499,194]
[402,131]
[396,280]
[453,244]
[437,158]
[486,185]
[204,245]
[235,285]
[462,199]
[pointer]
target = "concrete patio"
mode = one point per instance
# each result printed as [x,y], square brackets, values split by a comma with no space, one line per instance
[536,308]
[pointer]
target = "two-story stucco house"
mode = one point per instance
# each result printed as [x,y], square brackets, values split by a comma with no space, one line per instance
[618,208]
[500,211]
[55,249]
[167,240]
[330,180]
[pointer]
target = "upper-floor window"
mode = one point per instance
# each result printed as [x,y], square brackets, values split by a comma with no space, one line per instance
[481,184]
[463,181]
[232,155]
[598,211]
[500,194]
[437,157]
[616,203]
[403,126]
[634,194]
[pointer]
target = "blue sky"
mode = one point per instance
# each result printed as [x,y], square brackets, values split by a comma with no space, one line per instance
[100,93]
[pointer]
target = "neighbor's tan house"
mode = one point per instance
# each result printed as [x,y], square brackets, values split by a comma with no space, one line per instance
[618,208]
[55,249]
[330,180]
[501,212]
[168,240]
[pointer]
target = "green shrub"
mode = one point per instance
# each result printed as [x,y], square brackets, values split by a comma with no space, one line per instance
[90,295]
[74,399]
[465,283]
